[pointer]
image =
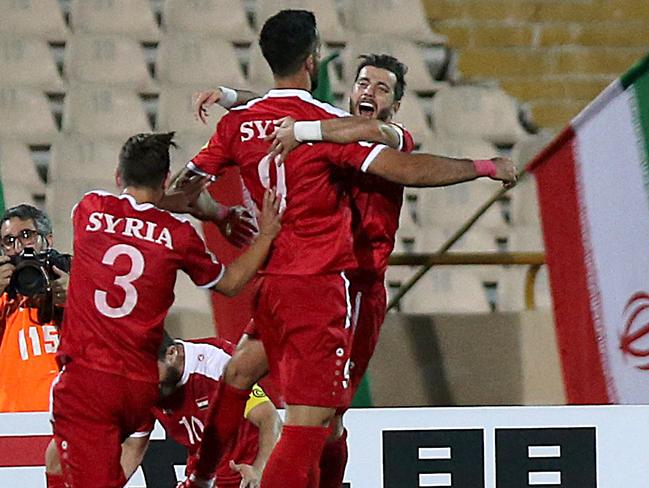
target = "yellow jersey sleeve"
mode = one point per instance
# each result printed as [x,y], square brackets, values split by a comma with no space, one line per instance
[257,397]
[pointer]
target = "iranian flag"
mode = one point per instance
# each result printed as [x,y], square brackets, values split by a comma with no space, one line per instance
[593,186]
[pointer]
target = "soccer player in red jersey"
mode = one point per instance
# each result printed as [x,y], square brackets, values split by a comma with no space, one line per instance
[304,307]
[376,204]
[127,253]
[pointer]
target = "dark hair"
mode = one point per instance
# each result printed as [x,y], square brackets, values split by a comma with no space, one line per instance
[144,159]
[387,62]
[26,212]
[167,342]
[286,40]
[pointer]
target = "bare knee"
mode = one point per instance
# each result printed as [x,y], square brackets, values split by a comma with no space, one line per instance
[248,364]
[337,428]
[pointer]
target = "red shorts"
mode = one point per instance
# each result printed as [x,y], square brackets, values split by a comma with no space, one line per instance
[305,325]
[93,412]
[369,295]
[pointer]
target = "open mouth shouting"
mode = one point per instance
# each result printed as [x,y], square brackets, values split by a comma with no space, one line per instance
[366,108]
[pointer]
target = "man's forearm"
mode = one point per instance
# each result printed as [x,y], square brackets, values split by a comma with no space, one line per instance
[242,269]
[346,130]
[422,169]
[269,432]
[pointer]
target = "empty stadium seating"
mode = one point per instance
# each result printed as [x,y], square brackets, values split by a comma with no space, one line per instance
[28,62]
[220,18]
[131,18]
[401,18]
[107,59]
[41,18]
[175,113]
[473,111]
[17,167]
[185,59]
[26,116]
[104,111]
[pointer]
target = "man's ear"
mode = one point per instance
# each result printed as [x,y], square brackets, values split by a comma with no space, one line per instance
[118,179]
[396,106]
[167,181]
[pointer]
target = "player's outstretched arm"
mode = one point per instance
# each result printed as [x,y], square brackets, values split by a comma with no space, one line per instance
[265,417]
[288,133]
[427,170]
[224,96]
[133,450]
[241,270]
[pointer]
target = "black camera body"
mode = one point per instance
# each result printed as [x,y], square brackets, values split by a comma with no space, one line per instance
[34,271]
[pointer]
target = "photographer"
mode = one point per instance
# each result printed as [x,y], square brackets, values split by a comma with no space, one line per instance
[29,324]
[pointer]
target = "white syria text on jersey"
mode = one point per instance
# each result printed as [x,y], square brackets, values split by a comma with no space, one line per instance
[129,227]
[256,129]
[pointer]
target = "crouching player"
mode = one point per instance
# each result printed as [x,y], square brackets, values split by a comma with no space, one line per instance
[190,372]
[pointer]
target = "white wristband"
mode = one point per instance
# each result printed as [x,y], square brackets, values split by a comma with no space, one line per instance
[228,98]
[307,131]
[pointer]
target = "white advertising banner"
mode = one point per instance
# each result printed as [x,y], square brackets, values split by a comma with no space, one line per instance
[491,447]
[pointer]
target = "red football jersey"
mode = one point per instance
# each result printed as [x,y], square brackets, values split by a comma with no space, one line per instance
[126,256]
[183,413]
[376,205]
[316,232]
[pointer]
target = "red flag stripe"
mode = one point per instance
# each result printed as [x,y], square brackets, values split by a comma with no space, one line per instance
[23,450]
[566,256]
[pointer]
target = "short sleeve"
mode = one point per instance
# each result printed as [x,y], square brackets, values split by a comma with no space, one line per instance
[145,428]
[199,263]
[357,155]
[215,155]
[257,397]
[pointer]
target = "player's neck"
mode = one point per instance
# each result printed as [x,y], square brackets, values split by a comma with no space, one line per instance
[299,80]
[144,195]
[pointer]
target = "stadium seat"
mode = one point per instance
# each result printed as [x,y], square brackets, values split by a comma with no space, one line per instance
[413,117]
[28,62]
[474,111]
[132,18]
[41,18]
[17,167]
[189,144]
[175,112]
[26,116]
[199,61]
[259,74]
[81,159]
[399,18]
[418,78]
[16,194]
[96,111]
[108,59]
[221,18]
[190,323]
[329,25]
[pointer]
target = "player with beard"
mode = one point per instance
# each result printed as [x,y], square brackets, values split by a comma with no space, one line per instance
[376,204]
[303,311]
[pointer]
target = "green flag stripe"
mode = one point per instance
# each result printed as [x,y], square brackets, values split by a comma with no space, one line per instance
[640,69]
[641,115]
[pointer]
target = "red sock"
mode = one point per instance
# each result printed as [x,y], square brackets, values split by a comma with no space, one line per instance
[333,462]
[295,456]
[54,480]
[222,420]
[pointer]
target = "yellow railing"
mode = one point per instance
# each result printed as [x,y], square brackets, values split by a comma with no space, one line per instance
[532,259]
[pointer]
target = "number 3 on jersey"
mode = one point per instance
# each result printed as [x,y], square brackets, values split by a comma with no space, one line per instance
[264,176]
[125,282]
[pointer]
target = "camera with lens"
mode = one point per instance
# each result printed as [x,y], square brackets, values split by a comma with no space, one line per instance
[34,271]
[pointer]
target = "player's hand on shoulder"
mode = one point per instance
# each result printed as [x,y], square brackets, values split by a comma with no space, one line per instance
[202,101]
[238,226]
[506,171]
[271,214]
[6,270]
[182,196]
[282,139]
[250,476]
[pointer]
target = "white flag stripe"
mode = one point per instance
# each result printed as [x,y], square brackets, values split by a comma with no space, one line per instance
[434,453]
[616,231]
[544,451]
